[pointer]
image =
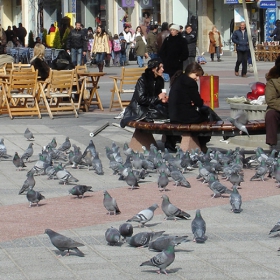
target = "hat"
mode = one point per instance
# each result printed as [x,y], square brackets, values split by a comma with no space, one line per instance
[153,63]
[175,26]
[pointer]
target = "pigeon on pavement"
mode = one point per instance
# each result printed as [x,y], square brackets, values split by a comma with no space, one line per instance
[65,146]
[261,171]
[144,216]
[28,134]
[53,143]
[162,181]
[18,162]
[131,180]
[239,121]
[235,200]
[110,204]
[80,190]
[34,197]
[65,177]
[112,236]
[142,239]
[199,228]
[171,211]
[179,178]
[275,228]
[163,259]
[28,152]
[63,243]
[29,182]
[126,230]
[162,242]
[3,149]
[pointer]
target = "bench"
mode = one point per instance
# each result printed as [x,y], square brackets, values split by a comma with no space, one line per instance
[143,134]
[128,78]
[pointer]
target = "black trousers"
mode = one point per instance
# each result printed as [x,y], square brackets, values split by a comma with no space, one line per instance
[272,120]
[241,58]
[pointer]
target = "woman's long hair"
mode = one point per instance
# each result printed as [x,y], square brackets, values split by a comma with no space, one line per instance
[102,32]
[39,51]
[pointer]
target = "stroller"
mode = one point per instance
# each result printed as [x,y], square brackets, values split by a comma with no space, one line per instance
[200,58]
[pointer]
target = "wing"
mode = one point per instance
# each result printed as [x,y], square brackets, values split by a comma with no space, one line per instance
[241,117]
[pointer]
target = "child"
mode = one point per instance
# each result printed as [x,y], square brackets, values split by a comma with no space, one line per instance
[123,50]
[116,50]
[140,49]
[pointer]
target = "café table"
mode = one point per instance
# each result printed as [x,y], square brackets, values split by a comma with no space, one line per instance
[267,52]
[93,80]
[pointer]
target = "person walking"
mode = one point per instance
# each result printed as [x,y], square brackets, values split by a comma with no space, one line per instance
[100,47]
[3,40]
[76,44]
[9,34]
[140,48]
[190,37]
[240,38]
[129,40]
[276,31]
[151,42]
[21,33]
[162,35]
[215,46]
[116,50]
[174,51]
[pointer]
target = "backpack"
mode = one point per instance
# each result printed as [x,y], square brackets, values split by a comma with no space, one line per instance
[123,46]
[116,45]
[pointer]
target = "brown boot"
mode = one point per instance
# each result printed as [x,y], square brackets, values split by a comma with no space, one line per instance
[100,67]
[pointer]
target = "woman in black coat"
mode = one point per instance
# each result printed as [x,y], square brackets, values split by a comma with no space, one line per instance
[148,101]
[185,104]
[174,51]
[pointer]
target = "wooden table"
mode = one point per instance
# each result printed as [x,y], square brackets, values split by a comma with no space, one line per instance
[267,53]
[94,98]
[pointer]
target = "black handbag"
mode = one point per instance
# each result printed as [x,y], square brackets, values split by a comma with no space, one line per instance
[93,58]
[132,55]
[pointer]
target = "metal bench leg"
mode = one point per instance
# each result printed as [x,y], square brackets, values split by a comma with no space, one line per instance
[140,139]
[189,142]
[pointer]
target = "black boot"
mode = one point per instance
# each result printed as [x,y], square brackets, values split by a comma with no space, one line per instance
[100,66]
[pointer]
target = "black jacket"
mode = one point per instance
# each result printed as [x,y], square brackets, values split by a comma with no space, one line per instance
[43,68]
[184,101]
[191,41]
[276,33]
[145,97]
[173,52]
[77,39]
[241,41]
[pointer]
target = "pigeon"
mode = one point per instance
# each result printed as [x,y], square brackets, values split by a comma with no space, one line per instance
[162,181]
[163,259]
[131,180]
[239,121]
[126,230]
[144,216]
[171,211]
[277,174]
[53,143]
[80,190]
[63,243]
[18,162]
[179,178]
[112,236]
[260,172]
[275,228]
[28,134]
[3,149]
[65,177]
[29,182]
[235,178]
[34,197]
[91,148]
[110,204]
[199,228]
[235,200]
[162,242]
[126,150]
[28,152]
[142,239]
[217,187]
[65,146]
[97,164]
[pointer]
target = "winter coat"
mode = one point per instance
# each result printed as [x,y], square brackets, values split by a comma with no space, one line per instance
[272,93]
[62,61]
[160,38]
[184,101]
[100,44]
[276,33]
[145,97]
[242,43]
[151,42]
[76,40]
[212,43]
[42,67]
[191,41]
[173,52]
[140,46]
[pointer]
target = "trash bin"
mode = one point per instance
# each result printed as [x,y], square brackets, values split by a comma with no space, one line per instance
[209,87]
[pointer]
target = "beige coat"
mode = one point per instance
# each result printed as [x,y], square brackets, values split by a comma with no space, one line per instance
[100,44]
[272,94]
[212,44]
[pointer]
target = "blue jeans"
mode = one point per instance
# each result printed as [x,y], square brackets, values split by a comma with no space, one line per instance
[153,55]
[76,56]
[100,57]
[217,51]
[122,59]
[140,60]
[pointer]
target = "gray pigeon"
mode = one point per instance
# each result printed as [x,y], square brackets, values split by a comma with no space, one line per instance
[171,211]
[65,177]
[131,180]
[142,239]
[28,134]
[110,204]
[162,181]
[28,152]
[63,243]
[235,200]
[277,174]
[126,230]
[97,164]
[80,190]
[163,259]
[235,178]
[29,182]
[162,242]
[239,121]
[199,228]
[91,148]
[18,162]
[3,149]
[217,187]
[53,143]
[260,172]
[179,178]
[65,146]
[112,236]
[144,216]
[34,197]
[275,228]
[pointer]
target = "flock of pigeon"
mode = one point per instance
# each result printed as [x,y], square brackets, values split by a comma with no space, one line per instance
[212,166]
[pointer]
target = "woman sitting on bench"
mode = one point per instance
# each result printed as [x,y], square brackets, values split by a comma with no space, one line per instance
[185,105]
[148,101]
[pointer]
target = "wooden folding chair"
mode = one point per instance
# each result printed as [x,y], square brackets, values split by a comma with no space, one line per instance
[56,92]
[21,94]
[77,93]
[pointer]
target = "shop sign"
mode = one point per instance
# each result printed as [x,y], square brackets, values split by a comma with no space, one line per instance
[267,4]
[237,1]
[127,3]
[147,3]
